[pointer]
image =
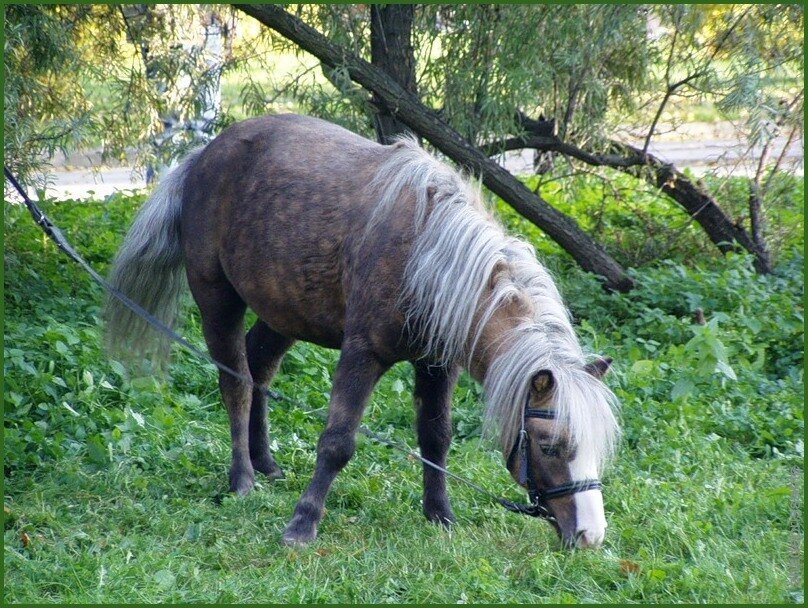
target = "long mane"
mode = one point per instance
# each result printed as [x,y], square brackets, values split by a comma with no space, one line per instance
[447,297]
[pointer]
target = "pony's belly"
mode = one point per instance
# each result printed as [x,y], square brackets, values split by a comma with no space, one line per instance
[315,331]
[294,287]
[308,316]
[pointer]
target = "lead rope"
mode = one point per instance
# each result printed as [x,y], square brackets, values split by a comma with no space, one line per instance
[53,232]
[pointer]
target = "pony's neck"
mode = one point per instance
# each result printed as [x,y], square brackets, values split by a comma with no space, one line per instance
[492,339]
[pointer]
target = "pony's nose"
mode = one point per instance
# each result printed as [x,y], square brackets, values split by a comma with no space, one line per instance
[589,539]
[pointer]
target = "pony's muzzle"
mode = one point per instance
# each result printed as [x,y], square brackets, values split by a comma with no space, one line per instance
[590,519]
[583,539]
[589,539]
[583,526]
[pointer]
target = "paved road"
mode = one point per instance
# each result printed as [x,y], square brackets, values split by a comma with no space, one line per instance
[78,177]
[718,155]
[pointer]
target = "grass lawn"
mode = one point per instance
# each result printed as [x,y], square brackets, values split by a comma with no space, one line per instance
[115,486]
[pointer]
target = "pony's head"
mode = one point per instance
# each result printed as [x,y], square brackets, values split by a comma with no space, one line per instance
[557,459]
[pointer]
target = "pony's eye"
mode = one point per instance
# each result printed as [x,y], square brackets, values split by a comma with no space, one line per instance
[550,450]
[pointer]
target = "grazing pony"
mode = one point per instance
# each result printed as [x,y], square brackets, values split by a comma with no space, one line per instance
[387,254]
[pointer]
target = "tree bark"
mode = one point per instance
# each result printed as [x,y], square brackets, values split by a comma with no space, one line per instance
[391,51]
[424,121]
[698,203]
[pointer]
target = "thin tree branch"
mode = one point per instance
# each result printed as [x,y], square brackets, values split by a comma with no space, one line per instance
[780,158]
[672,88]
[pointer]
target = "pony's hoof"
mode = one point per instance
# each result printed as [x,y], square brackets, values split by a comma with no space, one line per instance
[443,517]
[276,473]
[242,484]
[268,467]
[299,533]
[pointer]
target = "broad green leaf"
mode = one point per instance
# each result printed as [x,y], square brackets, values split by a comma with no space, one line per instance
[642,367]
[682,388]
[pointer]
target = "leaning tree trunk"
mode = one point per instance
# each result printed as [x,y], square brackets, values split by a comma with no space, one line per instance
[391,50]
[424,121]
[698,203]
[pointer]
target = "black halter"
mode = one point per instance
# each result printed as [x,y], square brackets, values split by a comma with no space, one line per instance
[538,498]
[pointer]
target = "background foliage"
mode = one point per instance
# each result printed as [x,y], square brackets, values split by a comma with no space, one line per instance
[132,81]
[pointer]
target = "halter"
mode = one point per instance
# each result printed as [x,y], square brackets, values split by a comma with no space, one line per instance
[538,497]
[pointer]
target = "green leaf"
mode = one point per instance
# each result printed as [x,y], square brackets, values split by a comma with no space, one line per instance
[397,386]
[193,532]
[781,491]
[725,369]
[97,450]
[67,406]
[164,579]
[681,389]
[643,367]
[138,418]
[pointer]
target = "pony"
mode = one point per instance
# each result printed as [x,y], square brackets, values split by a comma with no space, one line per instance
[388,254]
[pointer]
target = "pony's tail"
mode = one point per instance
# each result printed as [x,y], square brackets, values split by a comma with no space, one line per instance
[149,269]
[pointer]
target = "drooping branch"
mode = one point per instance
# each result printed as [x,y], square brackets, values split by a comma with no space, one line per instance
[540,135]
[426,122]
[698,203]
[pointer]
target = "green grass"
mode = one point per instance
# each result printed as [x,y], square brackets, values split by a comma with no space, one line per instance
[115,487]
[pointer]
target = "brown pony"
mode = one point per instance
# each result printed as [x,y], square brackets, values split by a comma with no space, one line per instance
[389,255]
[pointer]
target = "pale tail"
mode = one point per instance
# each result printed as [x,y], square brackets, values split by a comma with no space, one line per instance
[149,269]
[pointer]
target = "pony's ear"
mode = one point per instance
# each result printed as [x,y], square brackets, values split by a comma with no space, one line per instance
[499,271]
[543,382]
[599,367]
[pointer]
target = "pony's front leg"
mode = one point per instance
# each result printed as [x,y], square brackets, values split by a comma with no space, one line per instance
[357,372]
[433,402]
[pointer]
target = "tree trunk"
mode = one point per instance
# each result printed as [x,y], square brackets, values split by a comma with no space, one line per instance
[424,121]
[756,225]
[391,51]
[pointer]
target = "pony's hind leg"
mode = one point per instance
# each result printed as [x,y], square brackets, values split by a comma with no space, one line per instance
[265,350]
[222,313]
[433,402]
[357,372]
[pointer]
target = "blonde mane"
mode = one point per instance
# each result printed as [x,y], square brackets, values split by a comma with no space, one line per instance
[457,246]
